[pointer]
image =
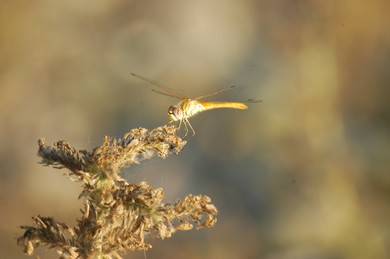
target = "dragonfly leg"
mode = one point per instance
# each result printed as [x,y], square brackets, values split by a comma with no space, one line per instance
[189,124]
[186,128]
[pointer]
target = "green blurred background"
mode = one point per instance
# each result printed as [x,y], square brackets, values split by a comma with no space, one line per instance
[304,174]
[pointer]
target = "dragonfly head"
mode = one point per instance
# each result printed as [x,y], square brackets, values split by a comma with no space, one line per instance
[175,113]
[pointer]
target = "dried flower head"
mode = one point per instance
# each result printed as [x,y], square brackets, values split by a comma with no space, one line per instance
[118,216]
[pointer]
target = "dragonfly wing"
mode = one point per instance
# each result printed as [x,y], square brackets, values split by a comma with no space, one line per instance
[218,92]
[163,89]
[252,101]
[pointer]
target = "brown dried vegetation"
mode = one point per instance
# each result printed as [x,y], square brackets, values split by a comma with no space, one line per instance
[118,216]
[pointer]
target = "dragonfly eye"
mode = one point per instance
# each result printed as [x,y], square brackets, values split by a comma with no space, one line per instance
[175,113]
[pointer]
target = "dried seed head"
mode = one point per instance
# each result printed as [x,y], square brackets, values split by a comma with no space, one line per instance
[118,216]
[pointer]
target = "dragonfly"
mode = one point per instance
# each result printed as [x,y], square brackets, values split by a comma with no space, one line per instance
[188,108]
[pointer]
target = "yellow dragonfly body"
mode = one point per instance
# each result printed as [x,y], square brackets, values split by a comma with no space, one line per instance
[188,108]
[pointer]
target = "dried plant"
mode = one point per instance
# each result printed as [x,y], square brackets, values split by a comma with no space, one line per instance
[118,216]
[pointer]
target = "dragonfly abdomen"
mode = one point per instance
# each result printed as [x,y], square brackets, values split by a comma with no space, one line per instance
[193,107]
[217,105]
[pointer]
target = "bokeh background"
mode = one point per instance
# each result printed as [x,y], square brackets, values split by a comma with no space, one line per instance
[304,174]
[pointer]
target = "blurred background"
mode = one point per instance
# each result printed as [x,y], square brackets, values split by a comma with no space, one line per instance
[304,174]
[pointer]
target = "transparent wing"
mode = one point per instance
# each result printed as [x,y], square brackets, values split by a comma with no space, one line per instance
[163,89]
[218,92]
[252,101]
